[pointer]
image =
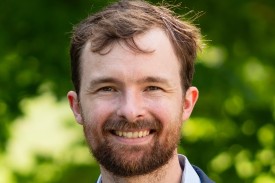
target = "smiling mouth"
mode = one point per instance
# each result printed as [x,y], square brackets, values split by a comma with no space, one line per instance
[133,134]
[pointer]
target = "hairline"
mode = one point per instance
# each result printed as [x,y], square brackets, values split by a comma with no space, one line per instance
[139,50]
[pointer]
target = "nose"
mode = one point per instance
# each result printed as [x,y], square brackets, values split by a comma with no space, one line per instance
[131,106]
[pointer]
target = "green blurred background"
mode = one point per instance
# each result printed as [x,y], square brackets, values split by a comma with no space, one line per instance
[231,134]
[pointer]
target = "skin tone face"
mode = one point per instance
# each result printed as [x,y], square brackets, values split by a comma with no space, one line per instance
[132,107]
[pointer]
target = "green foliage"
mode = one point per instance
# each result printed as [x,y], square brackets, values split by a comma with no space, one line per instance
[231,132]
[34,41]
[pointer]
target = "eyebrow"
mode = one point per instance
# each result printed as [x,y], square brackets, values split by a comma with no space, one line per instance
[152,79]
[147,79]
[102,80]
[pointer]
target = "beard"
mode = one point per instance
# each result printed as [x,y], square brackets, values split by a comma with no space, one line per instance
[126,161]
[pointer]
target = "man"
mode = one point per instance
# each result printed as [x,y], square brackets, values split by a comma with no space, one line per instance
[132,68]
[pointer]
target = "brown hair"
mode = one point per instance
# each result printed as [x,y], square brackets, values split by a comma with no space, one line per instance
[124,20]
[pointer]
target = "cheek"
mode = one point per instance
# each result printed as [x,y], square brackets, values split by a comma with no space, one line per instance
[167,111]
[96,110]
[94,118]
[169,114]
[95,115]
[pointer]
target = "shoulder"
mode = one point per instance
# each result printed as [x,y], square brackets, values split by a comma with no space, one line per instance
[203,177]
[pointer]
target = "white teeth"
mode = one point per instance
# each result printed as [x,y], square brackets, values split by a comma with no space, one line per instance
[135,134]
[120,133]
[145,133]
[132,134]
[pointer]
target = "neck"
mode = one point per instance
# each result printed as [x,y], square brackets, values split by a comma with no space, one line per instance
[170,172]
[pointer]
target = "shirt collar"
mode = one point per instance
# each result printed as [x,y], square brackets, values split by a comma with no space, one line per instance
[99,179]
[189,175]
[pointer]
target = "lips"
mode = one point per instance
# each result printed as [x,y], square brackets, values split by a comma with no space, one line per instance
[124,129]
[135,134]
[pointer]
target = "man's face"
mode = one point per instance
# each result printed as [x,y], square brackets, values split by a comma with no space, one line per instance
[132,105]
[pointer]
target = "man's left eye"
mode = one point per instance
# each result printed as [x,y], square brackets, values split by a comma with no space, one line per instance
[152,88]
[107,89]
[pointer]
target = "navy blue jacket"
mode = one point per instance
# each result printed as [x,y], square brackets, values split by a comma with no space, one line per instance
[202,175]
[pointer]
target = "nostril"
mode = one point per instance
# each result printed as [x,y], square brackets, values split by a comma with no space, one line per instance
[130,116]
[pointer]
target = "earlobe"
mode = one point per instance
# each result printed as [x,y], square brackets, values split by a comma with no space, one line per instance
[75,106]
[190,99]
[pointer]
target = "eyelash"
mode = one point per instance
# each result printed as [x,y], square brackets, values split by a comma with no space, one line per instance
[111,89]
[152,88]
[107,89]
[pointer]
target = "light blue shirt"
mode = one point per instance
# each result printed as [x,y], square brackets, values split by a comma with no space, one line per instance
[189,175]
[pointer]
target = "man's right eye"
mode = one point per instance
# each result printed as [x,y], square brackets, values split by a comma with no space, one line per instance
[107,89]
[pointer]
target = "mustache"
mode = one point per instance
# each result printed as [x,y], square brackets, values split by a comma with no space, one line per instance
[124,125]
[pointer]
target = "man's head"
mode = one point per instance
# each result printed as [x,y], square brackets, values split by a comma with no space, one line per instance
[135,65]
[124,20]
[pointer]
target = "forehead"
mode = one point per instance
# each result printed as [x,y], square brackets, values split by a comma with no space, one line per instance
[155,39]
[160,58]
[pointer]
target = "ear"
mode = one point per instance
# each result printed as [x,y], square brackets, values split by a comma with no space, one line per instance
[190,99]
[75,106]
